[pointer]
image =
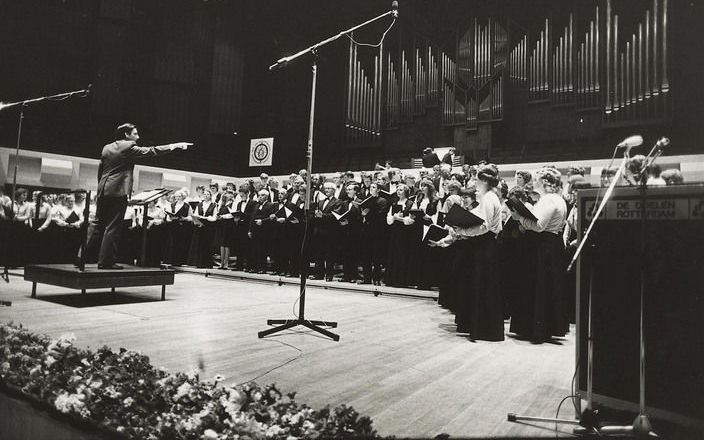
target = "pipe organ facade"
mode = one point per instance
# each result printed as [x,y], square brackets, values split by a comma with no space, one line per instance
[593,61]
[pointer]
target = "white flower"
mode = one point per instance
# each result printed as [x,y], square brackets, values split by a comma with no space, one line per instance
[257,396]
[308,426]
[120,429]
[111,392]
[85,362]
[273,431]
[71,402]
[49,361]
[67,337]
[140,381]
[5,367]
[183,390]
[210,434]
[192,374]
[128,401]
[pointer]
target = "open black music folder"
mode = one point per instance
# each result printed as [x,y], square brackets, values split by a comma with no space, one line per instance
[461,218]
[516,205]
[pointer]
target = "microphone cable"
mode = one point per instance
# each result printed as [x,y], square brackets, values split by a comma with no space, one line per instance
[383,36]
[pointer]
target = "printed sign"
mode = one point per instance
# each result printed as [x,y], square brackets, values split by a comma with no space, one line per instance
[655,209]
[261,152]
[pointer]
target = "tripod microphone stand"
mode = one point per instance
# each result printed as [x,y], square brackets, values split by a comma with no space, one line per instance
[283,324]
[588,420]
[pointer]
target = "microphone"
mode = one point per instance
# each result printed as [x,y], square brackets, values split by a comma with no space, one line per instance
[662,143]
[394,8]
[630,142]
[279,63]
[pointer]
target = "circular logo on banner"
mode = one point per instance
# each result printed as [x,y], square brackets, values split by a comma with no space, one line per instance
[261,152]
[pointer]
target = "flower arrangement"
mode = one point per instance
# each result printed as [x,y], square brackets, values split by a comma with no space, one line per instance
[124,394]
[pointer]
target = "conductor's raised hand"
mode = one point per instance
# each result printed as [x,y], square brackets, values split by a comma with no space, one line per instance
[181,145]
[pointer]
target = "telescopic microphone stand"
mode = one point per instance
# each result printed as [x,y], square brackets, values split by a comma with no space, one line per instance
[588,419]
[641,426]
[283,324]
[23,104]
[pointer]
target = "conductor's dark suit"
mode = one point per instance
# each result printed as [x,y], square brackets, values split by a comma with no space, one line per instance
[115,175]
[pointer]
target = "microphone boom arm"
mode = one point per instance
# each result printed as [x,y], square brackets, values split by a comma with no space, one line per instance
[59,96]
[312,49]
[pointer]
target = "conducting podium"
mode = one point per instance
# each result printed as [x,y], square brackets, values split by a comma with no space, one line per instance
[143,199]
[672,273]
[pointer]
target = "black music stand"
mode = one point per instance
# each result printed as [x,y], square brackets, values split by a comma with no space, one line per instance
[283,324]
[143,199]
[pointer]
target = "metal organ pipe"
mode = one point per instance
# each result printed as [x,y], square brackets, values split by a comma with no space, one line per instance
[609,99]
[656,80]
[665,82]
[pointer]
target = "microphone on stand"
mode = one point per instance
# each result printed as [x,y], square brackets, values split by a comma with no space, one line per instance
[662,143]
[394,8]
[279,63]
[630,142]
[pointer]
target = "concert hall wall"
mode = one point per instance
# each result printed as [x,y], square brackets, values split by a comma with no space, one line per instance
[174,67]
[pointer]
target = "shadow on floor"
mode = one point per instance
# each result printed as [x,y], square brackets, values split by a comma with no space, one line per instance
[96,299]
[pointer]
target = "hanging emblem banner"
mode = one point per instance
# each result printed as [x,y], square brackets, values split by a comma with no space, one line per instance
[261,152]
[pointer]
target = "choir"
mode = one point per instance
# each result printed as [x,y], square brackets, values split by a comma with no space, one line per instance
[375,229]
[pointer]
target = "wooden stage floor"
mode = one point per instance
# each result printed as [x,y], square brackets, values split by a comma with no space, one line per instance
[398,361]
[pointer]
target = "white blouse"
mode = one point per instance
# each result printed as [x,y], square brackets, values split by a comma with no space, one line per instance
[550,211]
[490,210]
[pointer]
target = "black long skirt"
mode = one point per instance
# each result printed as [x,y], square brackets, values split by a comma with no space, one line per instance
[200,253]
[447,281]
[542,313]
[179,242]
[480,310]
[402,260]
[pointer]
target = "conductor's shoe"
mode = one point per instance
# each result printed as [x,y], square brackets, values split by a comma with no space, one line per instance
[111,267]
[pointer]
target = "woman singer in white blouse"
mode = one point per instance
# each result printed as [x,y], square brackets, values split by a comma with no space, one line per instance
[543,314]
[479,308]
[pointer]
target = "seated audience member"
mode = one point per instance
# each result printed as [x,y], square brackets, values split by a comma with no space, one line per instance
[430,158]
[672,176]
[449,156]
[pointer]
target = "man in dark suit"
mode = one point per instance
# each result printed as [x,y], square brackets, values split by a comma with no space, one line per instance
[261,232]
[115,185]
[324,232]
[447,158]
[430,158]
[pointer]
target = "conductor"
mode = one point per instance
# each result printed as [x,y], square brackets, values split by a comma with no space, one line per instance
[115,185]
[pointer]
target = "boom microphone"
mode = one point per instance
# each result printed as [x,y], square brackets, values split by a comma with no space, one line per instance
[394,8]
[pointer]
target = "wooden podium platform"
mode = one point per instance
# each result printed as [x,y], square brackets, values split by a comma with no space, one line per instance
[67,275]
